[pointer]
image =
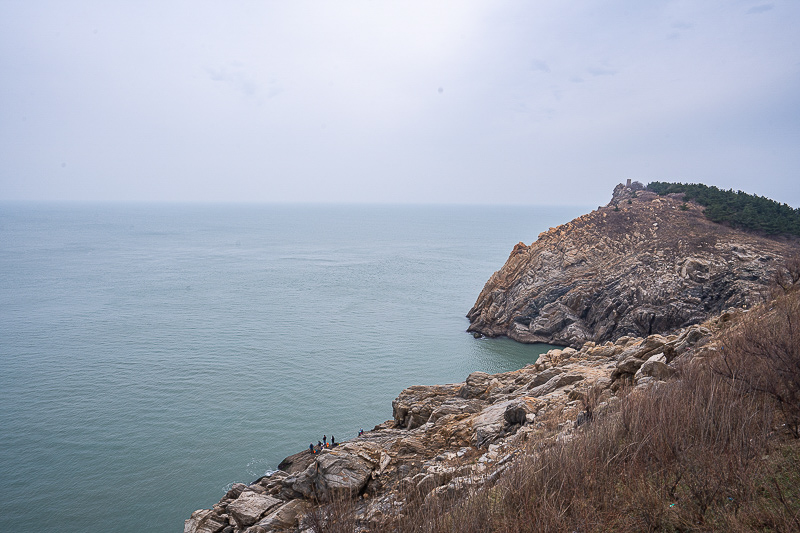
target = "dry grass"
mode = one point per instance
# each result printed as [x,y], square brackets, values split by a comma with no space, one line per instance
[712,450]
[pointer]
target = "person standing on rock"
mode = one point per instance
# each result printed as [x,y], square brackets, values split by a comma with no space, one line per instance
[325,440]
[333,441]
[311,447]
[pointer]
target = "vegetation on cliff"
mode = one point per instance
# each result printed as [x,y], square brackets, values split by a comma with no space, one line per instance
[736,208]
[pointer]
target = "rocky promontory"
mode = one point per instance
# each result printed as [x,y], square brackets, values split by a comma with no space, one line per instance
[642,264]
[449,440]
[638,291]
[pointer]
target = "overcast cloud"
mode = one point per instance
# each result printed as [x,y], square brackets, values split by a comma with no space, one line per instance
[448,102]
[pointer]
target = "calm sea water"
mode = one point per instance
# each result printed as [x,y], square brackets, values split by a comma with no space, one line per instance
[154,354]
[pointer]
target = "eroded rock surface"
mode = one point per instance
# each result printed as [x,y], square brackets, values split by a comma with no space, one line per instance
[449,439]
[628,288]
[643,264]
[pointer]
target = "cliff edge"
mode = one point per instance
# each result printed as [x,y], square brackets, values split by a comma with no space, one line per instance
[447,441]
[643,264]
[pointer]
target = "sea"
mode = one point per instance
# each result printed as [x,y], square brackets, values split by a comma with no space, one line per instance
[154,354]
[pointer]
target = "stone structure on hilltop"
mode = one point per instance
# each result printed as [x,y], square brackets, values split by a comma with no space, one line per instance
[642,264]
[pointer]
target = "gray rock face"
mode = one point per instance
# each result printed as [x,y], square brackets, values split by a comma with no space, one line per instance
[204,521]
[285,517]
[625,270]
[476,385]
[412,414]
[448,439]
[333,474]
[248,508]
[629,365]
[655,369]
[561,380]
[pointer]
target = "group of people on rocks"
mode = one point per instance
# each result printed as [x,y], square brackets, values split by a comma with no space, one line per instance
[324,444]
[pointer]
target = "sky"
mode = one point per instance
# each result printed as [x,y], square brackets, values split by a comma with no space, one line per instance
[476,102]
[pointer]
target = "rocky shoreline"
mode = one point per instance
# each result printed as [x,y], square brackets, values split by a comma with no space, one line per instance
[634,290]
[450,439]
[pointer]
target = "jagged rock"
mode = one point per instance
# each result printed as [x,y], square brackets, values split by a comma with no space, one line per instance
[414,406]
[333,474]
[455,487]
[561,380]
[650,345]
[205,521]
[235,491]
[544,376]
[286,516]
[297,462]
[629,365]
[625,270]
[427,482]
[455,406]
[249,507]
[445,439]
[500,419]
[516,414]
[655,369]
[475,386]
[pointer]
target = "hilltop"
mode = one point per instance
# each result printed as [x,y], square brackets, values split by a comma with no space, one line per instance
[737,209]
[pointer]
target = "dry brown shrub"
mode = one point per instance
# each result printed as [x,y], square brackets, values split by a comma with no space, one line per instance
[698,453]
[337,516]
[678,456]
[787,279]
[763,356]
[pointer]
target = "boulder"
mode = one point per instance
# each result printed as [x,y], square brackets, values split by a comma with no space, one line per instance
[629,365]
[475,386]
[501,419]
[456,406]
[205,521]
[544,376]
[334,474]
[234,492]
[414,406]
[297,462]
[286,516]
[561,380]
[249,507]
[516,414]
[650,345]
[655,369]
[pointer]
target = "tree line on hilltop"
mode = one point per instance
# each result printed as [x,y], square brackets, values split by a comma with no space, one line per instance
[737,208]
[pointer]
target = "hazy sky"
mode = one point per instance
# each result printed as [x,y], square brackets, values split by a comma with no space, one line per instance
[467,101]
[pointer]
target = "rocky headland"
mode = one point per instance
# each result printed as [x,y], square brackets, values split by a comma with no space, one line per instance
[450,439]
[642,264]
[635,290]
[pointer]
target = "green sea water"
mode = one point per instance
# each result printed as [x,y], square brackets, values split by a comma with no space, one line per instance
[154,354]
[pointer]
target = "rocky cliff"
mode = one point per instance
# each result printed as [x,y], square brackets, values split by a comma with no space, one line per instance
[632,285]
[642,264]
[449,440]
